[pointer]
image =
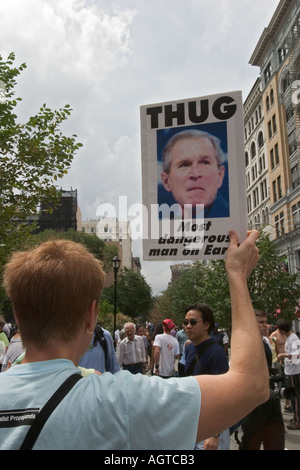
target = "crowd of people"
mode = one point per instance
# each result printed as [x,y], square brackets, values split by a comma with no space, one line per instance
[171,366]
[167,351]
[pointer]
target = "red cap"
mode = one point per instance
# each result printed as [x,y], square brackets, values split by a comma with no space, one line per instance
[168,324]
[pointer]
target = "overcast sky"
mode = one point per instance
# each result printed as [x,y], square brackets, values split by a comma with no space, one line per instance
[106,58]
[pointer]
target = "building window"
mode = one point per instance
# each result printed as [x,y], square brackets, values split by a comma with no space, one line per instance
[265,217]
[282,53]
[249,206]
[286,83]
[274,185]
[253,150]
[272,159]
[255,197]
[274,125]
[269,129]
[296,214]
[247,179]
[260,140]
[246,159]
[254,172]
[279,187]
[292,142]
[263,189]
[289,113]
[268,73]
[279,224]
[276,148]
[295,177]
[262,163]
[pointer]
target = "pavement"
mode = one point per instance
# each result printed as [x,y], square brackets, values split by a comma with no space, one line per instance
[292,438]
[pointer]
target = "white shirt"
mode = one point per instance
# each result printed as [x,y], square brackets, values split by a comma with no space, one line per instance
[131,352]
[169,348]
[292,346]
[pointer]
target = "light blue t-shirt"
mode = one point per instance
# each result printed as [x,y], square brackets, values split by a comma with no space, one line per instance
[118,411]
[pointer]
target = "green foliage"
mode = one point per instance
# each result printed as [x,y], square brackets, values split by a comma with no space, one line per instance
[95,245]
[134,295]
[182,292]
[271,287]
[33,155]
[106,316]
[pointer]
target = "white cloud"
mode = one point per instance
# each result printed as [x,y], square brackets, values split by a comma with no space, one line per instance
[106,58]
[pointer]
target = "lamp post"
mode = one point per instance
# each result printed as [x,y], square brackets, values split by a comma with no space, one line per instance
[116,266]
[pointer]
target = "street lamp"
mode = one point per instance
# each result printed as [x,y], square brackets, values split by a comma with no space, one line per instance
[116,266]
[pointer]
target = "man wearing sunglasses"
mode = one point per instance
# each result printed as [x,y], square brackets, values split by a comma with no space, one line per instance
[205,356]
[111,411]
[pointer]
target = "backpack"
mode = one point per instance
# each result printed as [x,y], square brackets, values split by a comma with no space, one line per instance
[99,336]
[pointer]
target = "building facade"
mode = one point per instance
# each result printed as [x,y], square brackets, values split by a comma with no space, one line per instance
[65,216]
[117,233]
[272,172]
[257,169]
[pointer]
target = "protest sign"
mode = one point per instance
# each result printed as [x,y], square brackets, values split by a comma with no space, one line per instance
[193,175]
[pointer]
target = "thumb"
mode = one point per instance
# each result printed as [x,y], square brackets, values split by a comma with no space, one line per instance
[233,238]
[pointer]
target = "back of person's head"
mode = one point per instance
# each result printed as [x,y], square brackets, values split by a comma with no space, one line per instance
[51,287]
[283,325]
[206,312]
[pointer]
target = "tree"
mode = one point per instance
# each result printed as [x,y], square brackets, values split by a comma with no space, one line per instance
[182,292]
[134,295]
[33,155]
[272,288]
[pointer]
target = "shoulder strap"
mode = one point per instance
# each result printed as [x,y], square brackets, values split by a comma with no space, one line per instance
[200,350]
[46,411]
[99,335]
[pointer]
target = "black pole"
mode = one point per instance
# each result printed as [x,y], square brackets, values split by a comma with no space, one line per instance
[115,300]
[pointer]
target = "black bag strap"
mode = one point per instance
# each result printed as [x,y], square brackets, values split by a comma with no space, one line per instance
[46,411]
[200,350]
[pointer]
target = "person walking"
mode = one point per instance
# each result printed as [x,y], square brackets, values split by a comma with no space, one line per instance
[264,425]
[131,351]
[101,354]
[181,338]
[204,356]
[166,350]
[291,358]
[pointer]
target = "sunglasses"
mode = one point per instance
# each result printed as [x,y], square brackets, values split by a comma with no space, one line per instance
[191,322]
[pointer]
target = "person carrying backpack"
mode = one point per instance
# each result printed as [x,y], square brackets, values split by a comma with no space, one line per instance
[101,354]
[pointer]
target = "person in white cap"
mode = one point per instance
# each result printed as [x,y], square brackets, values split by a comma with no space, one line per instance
[166,350]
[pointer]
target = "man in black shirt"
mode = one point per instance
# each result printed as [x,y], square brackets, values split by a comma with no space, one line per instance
[264,425]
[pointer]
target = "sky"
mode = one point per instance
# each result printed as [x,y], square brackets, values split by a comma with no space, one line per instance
[106,58]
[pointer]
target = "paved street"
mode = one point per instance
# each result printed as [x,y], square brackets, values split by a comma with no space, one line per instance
[292,438]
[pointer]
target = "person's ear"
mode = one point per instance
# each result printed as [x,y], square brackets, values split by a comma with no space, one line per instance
[165,181]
